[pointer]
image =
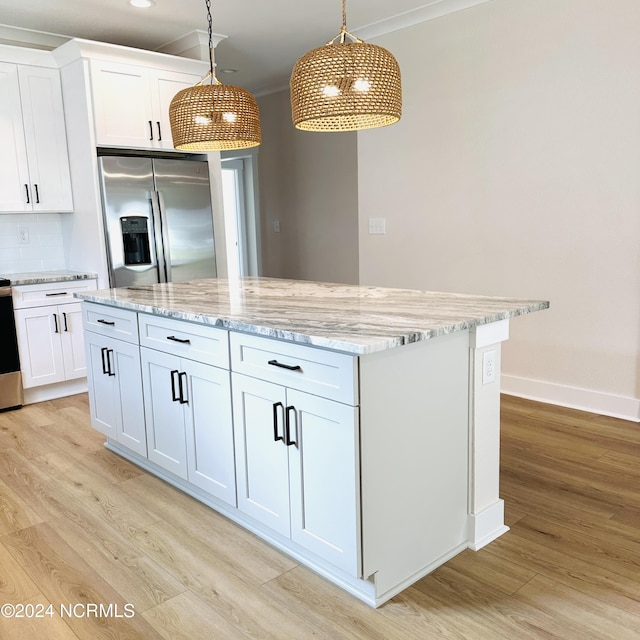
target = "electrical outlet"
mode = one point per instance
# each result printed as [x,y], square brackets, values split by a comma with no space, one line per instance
[276,226]
[489,367]
[23,235]
[377,226]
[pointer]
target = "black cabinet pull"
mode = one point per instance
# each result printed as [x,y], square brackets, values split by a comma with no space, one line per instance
[183,389]
[35,187]
[57,293]
[174,396]
[159,132]
[107,322]
[150,130]
[55,320]
[180,340]
[287,426]
[275,363]
[110,371]
[26,188]
[64,317]
[276,437]
[103,353]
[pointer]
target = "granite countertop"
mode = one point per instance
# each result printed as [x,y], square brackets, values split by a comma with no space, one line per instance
[354,319]
[41,277]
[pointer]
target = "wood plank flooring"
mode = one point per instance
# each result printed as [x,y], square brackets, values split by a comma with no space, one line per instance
[80,526]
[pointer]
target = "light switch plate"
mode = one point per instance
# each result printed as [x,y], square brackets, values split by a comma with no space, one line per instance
[377,226]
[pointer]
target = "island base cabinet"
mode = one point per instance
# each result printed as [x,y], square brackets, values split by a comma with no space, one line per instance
[296,456]
[115,391]
[189,423]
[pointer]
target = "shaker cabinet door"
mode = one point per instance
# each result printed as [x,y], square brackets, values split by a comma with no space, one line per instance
[324,478]
[209,430]
[166,444]
[261,453]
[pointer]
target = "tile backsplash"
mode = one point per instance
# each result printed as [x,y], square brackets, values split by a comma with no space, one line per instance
[31,242]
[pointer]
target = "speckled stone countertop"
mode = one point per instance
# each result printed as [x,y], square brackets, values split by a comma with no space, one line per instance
[42,277]
[355,319]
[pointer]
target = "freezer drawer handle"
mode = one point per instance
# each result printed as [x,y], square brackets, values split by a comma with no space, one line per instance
[290,367]
[180,340]
[107,322]
[57,293]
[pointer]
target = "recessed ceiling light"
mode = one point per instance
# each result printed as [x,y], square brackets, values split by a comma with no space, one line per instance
[228,71]
[142,4]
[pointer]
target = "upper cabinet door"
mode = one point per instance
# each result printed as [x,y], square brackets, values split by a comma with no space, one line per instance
[123,105]
[131,104]
[46,139]
[165,85]
[14,171]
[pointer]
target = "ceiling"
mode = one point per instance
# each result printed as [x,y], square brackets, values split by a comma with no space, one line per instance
[264,38]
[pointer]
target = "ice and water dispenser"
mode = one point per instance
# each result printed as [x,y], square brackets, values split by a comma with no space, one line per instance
[135,240]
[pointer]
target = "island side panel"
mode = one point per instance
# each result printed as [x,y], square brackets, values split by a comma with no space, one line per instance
[414,459]
[486,509]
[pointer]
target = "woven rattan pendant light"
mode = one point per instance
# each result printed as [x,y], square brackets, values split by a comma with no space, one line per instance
[212,116]
[345,86]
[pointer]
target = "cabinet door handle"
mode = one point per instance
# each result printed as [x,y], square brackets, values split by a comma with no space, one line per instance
[103,353]
[110,371]
[107,322]
[55,321]
[159,132]
[182,390]
[57,293]
[287,426]
[174,396]
[290,367]
[150,130]
[180,340]
[276,437]
[26,188]
[64,317]
[35,188]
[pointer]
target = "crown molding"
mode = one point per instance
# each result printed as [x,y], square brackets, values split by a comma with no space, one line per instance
[191,41]
[16,36]
[430,11]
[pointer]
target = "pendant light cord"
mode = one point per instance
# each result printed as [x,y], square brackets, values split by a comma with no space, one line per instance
[210,21]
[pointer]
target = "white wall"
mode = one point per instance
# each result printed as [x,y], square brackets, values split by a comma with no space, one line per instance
[515,171]
[308,183]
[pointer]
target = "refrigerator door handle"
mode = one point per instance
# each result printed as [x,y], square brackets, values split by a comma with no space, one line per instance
[158,236]
[165,235]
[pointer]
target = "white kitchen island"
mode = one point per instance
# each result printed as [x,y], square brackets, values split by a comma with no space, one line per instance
[355,428]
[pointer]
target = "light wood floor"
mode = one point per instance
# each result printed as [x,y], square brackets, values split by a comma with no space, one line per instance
[79,525]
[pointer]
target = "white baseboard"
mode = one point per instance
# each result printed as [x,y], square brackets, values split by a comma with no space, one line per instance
[486,526]
[53,391]
[606,404]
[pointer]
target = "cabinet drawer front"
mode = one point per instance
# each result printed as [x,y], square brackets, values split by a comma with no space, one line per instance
[38,295]
[185,339]
[110,321]
[323,373]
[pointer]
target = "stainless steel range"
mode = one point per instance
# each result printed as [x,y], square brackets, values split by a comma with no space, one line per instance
[11,395]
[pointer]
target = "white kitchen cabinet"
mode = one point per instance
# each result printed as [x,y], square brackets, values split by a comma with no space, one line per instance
[188,403]
[34,162]
[297,467]
[50,343]
[131,104]
[115,390]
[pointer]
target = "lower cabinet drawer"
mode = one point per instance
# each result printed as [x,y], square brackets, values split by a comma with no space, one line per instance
[320,372]
[110,321]
[185,339]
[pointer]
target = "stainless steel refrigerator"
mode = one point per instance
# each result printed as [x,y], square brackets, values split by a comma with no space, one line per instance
[158,220]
